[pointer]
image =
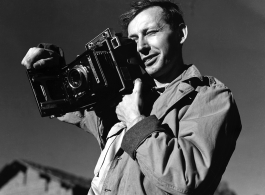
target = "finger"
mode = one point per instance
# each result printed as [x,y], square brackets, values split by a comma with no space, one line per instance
[72,118]
[137,86]
[46,63]
[35,54]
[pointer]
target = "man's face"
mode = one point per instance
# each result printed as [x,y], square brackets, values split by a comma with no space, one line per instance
[157,43]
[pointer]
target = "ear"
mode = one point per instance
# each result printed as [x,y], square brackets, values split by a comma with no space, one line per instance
[183,32]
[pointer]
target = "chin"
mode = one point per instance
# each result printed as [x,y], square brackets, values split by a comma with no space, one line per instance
[152,71]
[154,75]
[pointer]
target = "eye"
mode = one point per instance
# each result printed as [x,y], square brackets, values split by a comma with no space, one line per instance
[151,32]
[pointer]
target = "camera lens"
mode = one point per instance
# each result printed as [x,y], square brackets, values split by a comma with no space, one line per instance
[77,77]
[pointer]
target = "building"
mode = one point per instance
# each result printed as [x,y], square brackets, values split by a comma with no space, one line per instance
[27,178]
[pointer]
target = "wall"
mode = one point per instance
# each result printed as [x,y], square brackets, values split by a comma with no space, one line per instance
[32,183]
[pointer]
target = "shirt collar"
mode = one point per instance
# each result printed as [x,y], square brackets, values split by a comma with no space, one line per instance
[190,71]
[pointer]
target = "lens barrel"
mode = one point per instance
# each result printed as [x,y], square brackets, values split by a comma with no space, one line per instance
[78,77]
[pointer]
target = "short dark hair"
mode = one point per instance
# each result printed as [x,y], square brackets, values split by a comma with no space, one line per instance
[172,12]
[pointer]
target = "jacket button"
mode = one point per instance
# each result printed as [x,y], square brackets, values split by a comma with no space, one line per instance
[181,91]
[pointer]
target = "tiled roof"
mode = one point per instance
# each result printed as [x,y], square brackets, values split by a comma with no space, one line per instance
[65,178]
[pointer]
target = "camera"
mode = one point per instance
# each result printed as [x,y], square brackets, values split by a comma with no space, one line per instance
[103,72]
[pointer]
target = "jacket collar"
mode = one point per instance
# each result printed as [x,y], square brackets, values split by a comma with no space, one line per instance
[175,91]
[191,72]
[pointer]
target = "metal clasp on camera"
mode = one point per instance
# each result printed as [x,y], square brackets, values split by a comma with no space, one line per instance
[115,42]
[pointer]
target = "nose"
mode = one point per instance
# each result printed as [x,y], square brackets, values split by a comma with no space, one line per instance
[143,46]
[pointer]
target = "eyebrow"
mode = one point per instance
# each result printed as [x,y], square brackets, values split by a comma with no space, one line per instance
[135,34]
[157,26]
[132,36]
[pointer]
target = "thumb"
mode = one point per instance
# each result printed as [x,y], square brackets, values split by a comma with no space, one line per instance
[138,85]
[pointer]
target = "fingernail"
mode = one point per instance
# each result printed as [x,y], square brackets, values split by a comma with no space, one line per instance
[138,79]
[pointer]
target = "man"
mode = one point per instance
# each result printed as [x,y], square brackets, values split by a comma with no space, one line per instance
[185,144]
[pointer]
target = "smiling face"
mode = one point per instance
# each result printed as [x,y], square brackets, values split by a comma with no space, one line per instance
[157,43]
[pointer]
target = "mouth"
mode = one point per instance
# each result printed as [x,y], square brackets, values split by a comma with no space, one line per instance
[150,60]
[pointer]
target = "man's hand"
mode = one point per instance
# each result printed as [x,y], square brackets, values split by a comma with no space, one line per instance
[41,58]
[49,56]
[129,110]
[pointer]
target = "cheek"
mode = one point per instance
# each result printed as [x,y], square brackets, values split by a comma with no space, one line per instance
[156,42]
[166,46]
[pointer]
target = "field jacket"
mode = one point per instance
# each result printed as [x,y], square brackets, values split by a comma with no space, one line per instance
[183,147]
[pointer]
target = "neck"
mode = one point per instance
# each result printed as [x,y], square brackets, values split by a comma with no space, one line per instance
[163,81]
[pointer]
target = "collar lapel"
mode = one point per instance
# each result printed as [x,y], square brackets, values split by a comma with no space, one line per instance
[175,92]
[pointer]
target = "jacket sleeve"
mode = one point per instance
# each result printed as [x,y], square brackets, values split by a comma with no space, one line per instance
[193,160]
[86,120]
[98,124]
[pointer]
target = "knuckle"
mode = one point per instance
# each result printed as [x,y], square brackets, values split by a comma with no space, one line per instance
[41,62]
[33,50]
[23,62]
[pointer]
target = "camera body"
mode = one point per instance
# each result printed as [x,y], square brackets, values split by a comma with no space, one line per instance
[104,71]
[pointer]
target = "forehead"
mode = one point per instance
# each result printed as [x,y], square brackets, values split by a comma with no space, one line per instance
[150,17]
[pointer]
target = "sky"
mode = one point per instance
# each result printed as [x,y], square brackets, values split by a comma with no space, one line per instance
[226,40]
